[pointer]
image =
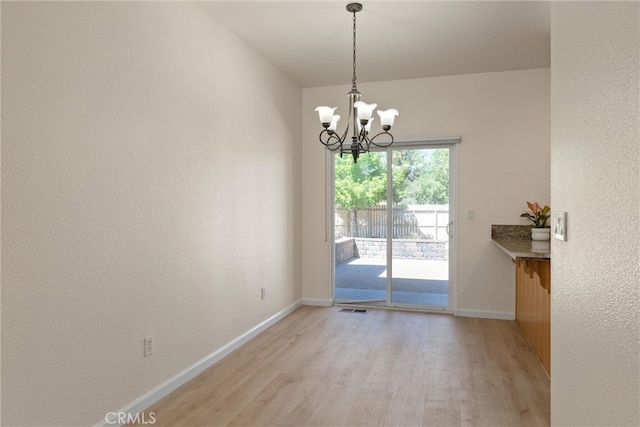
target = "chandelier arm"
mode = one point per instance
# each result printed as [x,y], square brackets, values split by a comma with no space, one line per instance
[384,144]
[343,138]
[332,141]
[334,147]
[362,136]
[351,113]
[365,142]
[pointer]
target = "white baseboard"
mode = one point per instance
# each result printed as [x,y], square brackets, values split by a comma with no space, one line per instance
[486,314]
[149,398]
[317,302]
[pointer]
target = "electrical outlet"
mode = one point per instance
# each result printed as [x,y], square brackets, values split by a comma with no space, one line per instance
[263,293]
[148,346]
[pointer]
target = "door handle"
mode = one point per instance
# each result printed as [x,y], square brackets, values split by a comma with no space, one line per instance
[449,229]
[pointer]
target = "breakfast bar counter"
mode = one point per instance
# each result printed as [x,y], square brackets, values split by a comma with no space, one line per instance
[515,241]
[523,249]
[533,285]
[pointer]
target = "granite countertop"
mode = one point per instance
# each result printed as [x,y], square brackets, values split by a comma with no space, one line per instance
[515,241]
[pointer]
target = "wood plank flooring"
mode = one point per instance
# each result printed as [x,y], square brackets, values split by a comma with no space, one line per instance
[323,367]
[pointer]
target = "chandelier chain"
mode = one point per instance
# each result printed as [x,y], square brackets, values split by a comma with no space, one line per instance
[353,80]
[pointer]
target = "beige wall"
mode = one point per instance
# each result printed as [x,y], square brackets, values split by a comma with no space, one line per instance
[503,161]
[142,143]
[595,178]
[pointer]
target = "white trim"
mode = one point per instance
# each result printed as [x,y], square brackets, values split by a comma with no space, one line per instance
[330,213]
[486,314]
[389,238]
[453,212]
[429,140]
[317,302]
[152,396]
[417,307]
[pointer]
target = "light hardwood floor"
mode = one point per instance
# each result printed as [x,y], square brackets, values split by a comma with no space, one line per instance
[323,367]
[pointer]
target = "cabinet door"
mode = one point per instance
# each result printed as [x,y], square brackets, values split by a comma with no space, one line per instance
[533,309]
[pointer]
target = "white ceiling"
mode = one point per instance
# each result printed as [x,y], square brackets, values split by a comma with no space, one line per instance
[311,41]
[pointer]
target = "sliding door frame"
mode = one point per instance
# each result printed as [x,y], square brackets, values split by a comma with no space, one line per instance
[449,142]
[422,145]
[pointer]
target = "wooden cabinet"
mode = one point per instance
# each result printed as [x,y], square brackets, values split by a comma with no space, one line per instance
[533,298]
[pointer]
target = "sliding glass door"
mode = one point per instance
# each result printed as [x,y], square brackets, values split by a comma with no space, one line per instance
[419,258]
[361,228]
[392,223]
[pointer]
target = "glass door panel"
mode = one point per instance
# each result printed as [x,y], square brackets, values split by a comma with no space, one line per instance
[420,242]
[360,232]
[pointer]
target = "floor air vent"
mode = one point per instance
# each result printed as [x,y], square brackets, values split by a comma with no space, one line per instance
[354,310]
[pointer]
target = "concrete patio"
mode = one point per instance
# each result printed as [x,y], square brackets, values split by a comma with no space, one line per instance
[419,282]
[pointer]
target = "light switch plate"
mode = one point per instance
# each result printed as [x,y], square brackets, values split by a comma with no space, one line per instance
[560,226]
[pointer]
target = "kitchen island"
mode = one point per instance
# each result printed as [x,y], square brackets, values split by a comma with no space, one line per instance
[532,261]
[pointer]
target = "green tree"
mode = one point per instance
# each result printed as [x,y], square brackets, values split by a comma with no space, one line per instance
[360,185]
[363,184]
[432,185]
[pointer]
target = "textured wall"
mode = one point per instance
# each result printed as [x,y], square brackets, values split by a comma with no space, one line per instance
[595,178]
[503,160]
[139,141]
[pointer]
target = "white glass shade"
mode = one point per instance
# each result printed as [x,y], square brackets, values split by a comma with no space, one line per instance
[325,113]
[365,111]
[334,123]
[387,117]
[367,127]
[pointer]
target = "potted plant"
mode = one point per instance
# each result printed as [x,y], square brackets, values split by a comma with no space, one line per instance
[539,217]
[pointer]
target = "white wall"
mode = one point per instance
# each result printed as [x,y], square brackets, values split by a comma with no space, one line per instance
[595,178]
[150,185]
[503,161]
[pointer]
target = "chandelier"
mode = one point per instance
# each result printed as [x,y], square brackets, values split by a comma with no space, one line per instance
[360,116]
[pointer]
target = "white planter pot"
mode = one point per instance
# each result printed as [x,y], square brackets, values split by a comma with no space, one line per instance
[540,233]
